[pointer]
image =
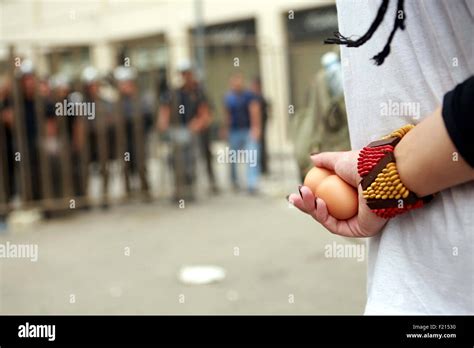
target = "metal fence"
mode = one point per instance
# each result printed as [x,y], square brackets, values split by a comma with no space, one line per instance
[52,173]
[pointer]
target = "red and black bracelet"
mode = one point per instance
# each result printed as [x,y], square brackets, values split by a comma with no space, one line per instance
[382,188]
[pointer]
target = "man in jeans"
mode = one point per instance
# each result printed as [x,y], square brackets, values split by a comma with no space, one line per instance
[243,121]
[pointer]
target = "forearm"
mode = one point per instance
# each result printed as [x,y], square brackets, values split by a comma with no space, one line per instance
[163,118]
[255,115]
[427,159]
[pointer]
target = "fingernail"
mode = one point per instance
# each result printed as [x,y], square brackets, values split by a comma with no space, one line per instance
[299,190]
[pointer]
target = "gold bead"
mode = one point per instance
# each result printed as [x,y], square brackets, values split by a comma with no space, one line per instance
[399,186]
[405,194]
[372,195]
[397,196]
[396,182]
[402,190]
[377,196]
[394,177]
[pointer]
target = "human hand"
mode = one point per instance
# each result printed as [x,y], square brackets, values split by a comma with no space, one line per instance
[255,133]
[344,164]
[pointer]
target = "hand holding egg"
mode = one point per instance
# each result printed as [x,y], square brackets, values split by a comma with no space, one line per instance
[339,196]
[330,196]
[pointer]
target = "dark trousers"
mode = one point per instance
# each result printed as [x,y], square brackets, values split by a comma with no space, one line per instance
[205,138]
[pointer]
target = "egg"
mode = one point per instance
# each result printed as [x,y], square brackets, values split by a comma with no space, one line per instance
[339,196]
[315,176]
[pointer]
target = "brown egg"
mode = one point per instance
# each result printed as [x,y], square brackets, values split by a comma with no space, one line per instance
[340,197]
[315,176]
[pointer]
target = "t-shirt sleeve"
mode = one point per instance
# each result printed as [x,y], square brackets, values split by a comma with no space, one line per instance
[458,116]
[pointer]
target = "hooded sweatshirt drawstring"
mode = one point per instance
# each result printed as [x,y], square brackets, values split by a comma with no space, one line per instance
[399,22]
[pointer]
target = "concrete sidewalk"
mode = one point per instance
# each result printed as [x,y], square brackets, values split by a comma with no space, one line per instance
[274,257]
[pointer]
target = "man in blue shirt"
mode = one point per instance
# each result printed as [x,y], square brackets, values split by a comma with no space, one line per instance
[243,126]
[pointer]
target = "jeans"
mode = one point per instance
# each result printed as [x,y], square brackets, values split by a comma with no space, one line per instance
[240,139]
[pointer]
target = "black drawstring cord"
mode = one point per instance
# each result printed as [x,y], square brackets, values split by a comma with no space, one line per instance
[399,23]
[340,39]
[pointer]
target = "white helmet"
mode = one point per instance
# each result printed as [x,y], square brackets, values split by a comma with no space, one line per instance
[27,67]
[60,80]
[184,65]
[123,73]
[89,75]
[329,58]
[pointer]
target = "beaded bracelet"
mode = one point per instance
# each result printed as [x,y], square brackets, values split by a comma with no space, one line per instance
[382,188]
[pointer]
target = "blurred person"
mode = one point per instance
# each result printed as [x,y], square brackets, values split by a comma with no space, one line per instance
[322,124]
[264,110]
[243,126]
[62,92]
[28,87]
[205,137]
[61,86]
[128,102]
[100,130]
[7,124]
[420,262]
[184,114]
[163,87]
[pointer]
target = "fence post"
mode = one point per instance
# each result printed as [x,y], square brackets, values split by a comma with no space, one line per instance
[20,133]
[44,162]
[139,139]
[4,175]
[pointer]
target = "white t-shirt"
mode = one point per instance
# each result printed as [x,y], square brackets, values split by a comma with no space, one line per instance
[423,261]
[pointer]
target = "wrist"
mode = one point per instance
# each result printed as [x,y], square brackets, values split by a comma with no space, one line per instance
[384,189]
[408,173]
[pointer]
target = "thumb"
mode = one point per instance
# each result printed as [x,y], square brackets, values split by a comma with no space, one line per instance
[344,164]
[326,160]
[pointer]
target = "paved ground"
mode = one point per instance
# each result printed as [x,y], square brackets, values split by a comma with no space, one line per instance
[280,267]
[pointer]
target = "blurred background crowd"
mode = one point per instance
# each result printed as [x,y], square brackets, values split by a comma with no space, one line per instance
[187,83]
[107,102]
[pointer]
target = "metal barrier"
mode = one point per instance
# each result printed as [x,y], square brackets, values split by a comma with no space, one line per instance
[60,181]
